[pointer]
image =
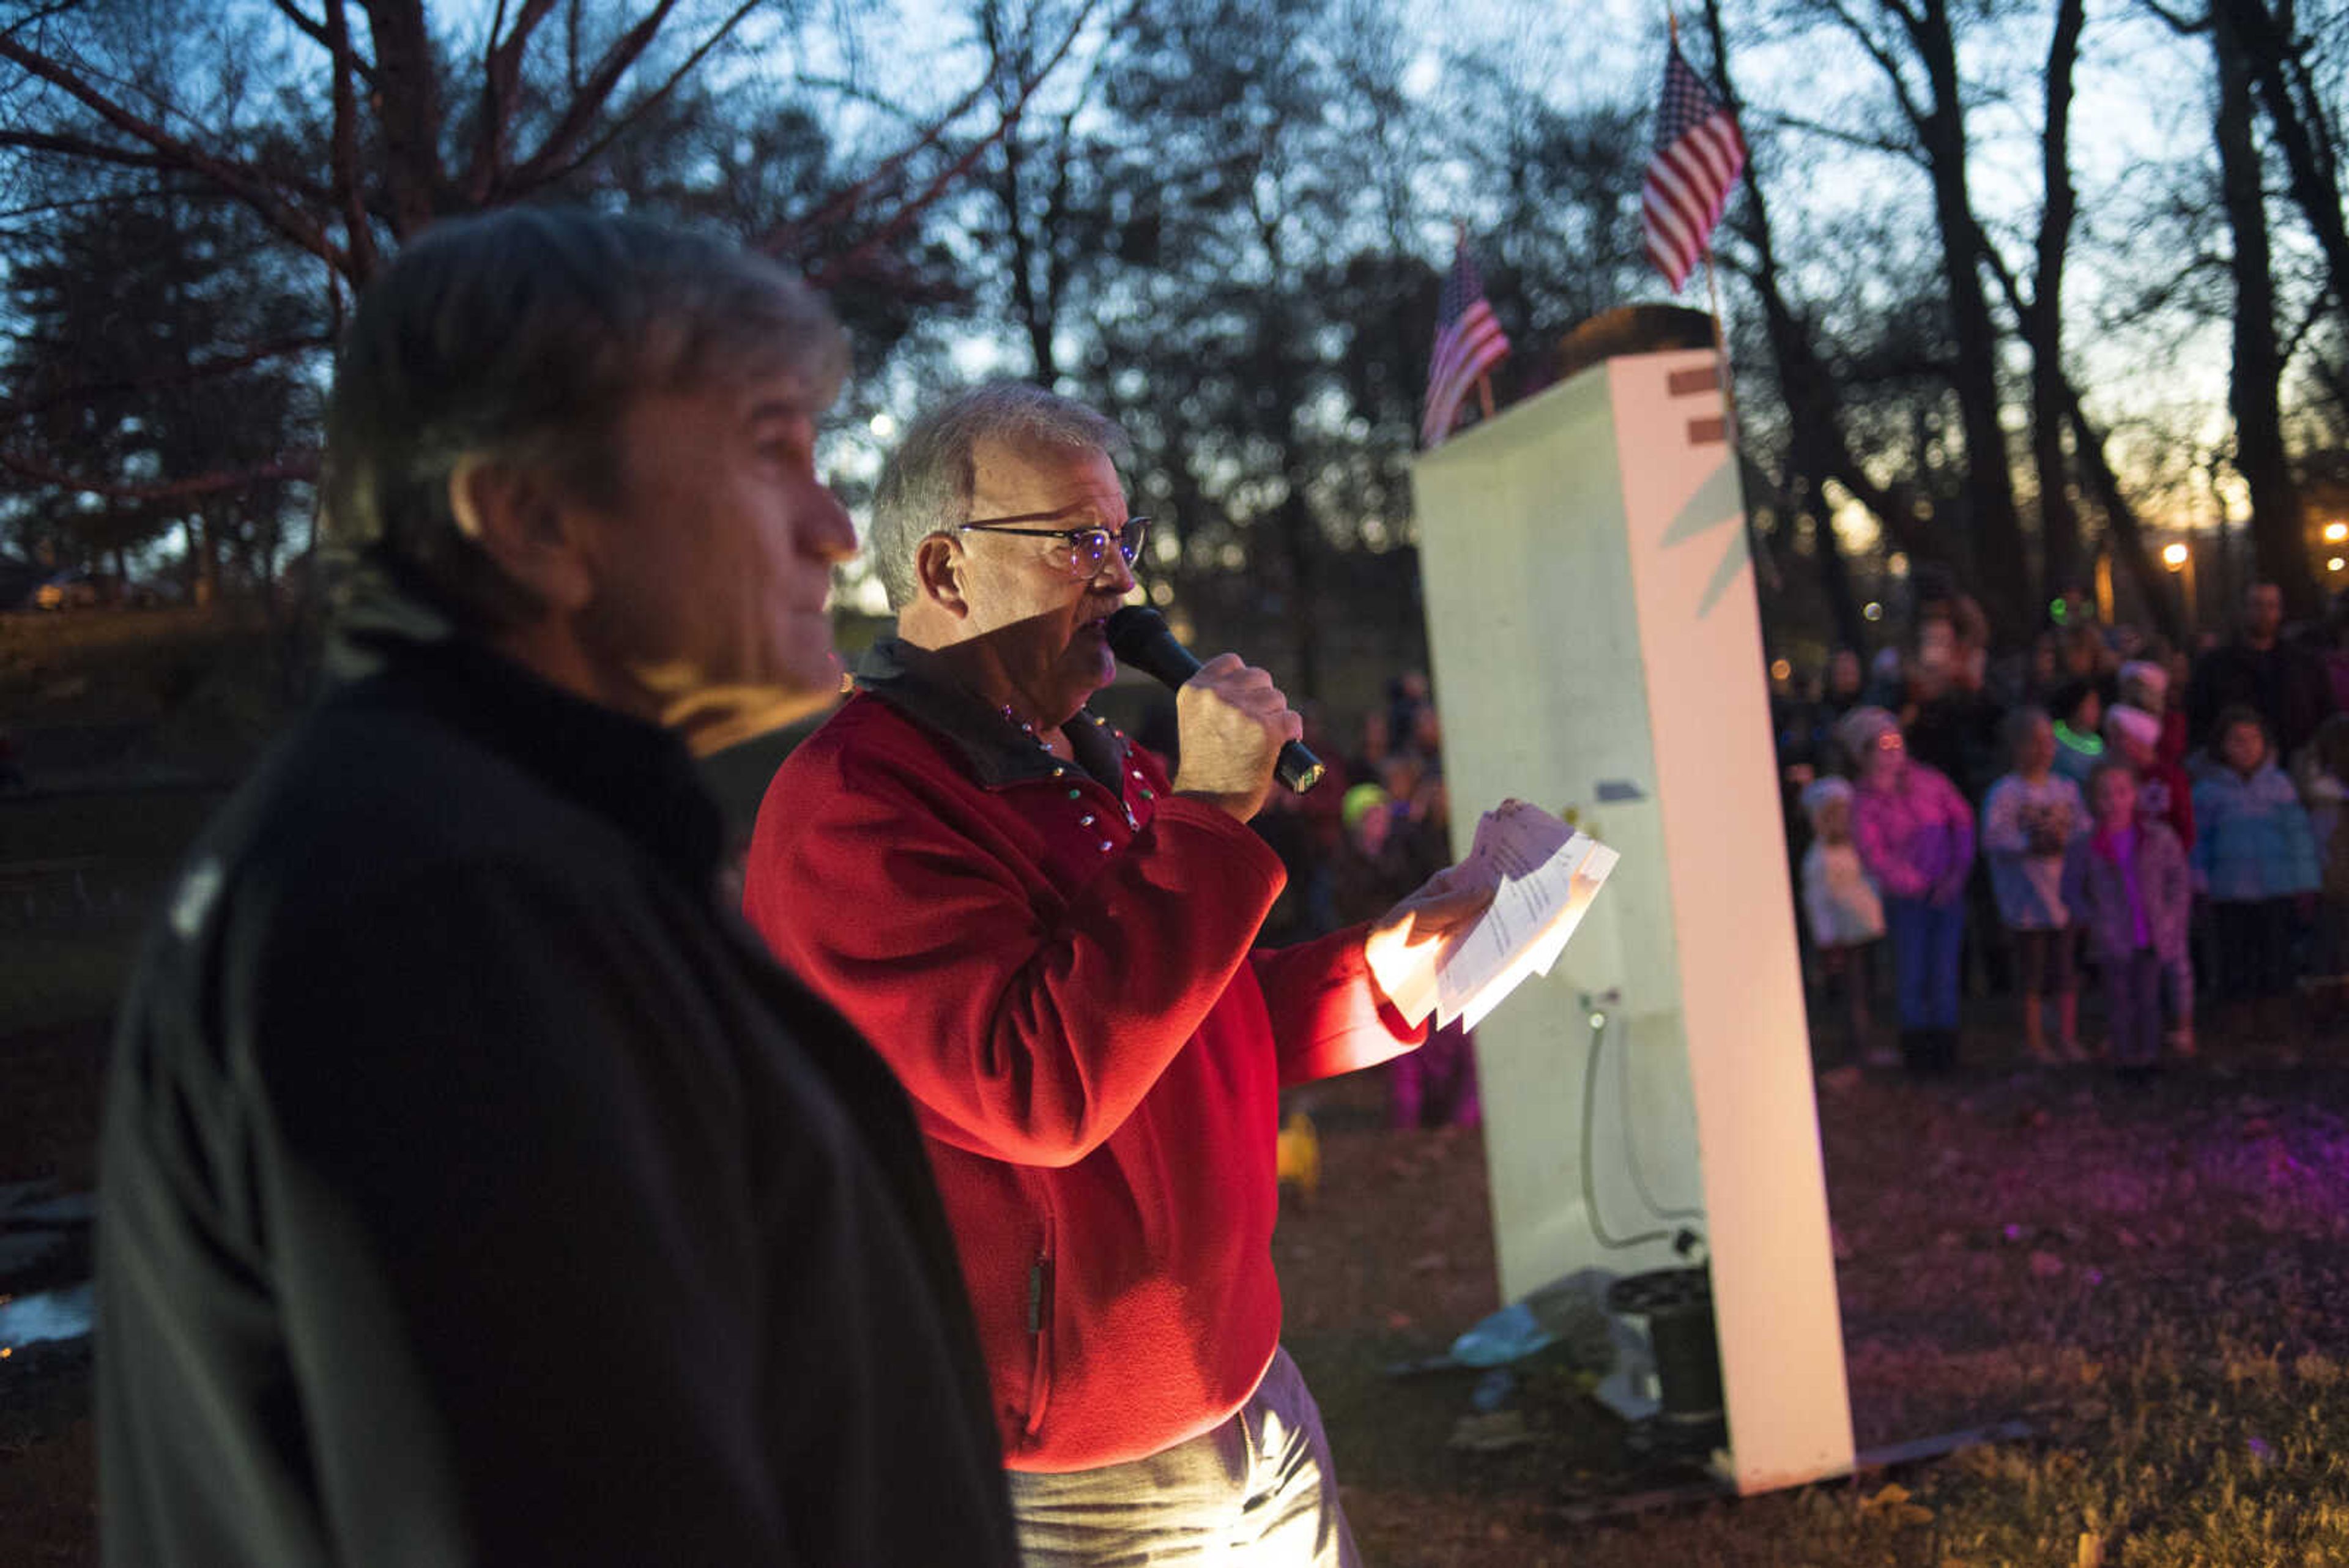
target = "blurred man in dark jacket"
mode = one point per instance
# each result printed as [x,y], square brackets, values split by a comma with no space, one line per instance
[2284,684]
[474,1188]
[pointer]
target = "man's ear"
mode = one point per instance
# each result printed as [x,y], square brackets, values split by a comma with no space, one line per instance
[939,575]
[522,521]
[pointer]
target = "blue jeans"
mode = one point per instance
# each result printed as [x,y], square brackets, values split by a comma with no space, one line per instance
[1926,944]
[1256,1489]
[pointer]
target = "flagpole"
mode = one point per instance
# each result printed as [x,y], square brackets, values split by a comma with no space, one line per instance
[1721,341]
[1729,414]
[1720,346]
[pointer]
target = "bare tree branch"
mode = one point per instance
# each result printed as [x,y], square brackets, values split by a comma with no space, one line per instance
[85,148]
[195,370]
[500,84]
[358,227]
[1890,66]
[645,105]
[2179,23]
[845,199]
[911,209]
[1904,151]
[237,179]
[856,92]
[587,104]
[299,466]
[316,31]
[35,18]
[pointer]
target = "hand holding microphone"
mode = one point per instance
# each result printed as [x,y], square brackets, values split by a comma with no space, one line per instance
[1236,728]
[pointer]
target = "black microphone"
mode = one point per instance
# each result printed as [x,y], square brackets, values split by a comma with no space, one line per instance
[1139,636]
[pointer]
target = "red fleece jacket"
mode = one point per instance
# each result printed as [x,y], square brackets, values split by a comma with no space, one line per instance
[1092,1052]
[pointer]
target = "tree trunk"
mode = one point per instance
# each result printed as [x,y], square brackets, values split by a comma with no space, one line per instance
[207,559]
[1805,385]
[2279,553]
[408,94]
[2002,571]
[2059,521]
[1035,319]
[2268,53]
[1009,63]
[2162,595]
[2124,533]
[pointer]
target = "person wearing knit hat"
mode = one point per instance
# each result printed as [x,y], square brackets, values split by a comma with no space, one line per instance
[1916,837]
[2132,736]
[2135,736]
[1362,803]
[2145,686]
[1842,908]
[1859,731]
[1821,793]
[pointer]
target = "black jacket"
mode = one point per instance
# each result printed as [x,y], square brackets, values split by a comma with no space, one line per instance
[476,1191]
[2286,685]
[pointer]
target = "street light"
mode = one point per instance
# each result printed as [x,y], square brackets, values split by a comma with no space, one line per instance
[2335,532]
[2178,556]
[2335,564]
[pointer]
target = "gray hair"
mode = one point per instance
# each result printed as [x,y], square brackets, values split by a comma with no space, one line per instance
[524,336]
[925,486]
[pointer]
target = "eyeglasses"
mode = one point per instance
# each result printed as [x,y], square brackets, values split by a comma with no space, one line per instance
[1082,552]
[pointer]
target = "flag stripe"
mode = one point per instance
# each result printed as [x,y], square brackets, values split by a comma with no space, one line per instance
[1699,155]
[1468,342]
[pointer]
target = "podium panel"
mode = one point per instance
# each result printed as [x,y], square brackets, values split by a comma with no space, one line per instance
[1597,650]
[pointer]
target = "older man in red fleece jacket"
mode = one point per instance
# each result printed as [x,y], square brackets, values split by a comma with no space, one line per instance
[1051,943]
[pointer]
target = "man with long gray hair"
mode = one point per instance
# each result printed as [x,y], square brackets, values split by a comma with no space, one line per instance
[474,1189]
[1051,943]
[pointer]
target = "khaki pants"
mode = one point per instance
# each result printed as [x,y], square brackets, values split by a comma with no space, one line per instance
[1257,1489]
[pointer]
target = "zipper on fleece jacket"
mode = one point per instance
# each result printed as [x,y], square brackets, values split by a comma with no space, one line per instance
[1040,1330]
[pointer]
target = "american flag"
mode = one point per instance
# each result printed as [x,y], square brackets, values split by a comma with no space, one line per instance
[1468,342]
[1699,155]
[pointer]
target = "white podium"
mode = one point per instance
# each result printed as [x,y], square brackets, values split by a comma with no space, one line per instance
[1597,648]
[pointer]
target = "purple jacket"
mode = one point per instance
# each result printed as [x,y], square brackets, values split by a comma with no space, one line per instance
[1917,837]
[2097,892]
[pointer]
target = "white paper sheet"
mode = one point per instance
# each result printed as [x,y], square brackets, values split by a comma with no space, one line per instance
[1548,874]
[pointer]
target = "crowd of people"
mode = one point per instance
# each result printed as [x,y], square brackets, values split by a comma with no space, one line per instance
[2159,817]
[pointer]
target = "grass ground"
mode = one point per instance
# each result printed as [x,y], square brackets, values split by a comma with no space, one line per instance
[106,666]
[2153,1279]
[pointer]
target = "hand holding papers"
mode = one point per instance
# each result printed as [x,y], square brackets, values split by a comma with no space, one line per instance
[1542,876]
[1402,948]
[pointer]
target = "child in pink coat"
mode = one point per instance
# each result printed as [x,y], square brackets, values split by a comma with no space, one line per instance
[1916,835]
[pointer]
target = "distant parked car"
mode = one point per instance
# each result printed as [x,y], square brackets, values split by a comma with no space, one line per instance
[67,590]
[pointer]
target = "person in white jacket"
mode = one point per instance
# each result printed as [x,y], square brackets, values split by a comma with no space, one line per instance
[1841,904]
